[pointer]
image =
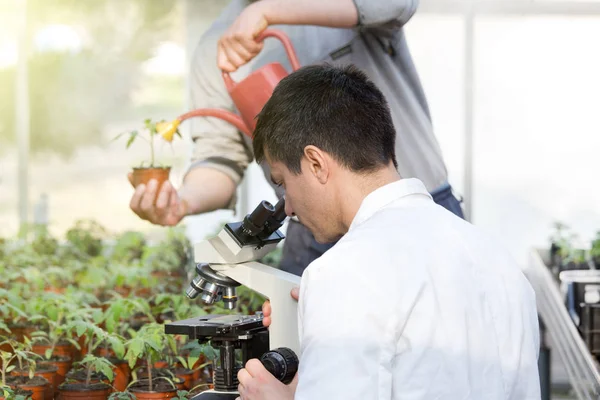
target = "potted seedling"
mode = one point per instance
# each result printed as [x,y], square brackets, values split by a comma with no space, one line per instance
[151,169]
[91,378]
[199,358]
[149,345]
[54,338]
[26,361]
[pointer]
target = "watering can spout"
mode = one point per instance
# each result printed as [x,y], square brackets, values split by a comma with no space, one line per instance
[227,116]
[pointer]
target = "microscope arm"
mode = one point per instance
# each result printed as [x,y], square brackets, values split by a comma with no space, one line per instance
[276,286]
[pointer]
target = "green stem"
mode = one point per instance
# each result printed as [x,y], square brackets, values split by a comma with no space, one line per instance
[151,150]
[4,366]
[149,362]
[88,377]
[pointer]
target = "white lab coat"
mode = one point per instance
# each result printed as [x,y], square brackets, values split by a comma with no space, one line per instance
[415,303]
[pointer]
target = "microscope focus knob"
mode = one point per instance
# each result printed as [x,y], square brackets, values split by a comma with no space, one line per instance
[282,363]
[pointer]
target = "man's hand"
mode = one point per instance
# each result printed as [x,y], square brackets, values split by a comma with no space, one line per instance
[238,44]
[266,307]
[168,210]
[256,383]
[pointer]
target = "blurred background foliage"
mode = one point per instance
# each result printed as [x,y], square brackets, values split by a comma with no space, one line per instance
[75,91]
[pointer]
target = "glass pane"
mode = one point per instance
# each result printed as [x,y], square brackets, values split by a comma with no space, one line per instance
[537,125]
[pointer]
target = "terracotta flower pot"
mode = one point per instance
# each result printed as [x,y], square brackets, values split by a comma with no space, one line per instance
[122,374]
[161,390]
[61,349]
[47,372]
[96,391]
[186,375]
[38,385]
[19,331]
[144,175]
[63,365]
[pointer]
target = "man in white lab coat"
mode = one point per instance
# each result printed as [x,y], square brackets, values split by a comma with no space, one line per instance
[412,302]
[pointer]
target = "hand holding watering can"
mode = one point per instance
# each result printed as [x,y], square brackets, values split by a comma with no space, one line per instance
[249,95]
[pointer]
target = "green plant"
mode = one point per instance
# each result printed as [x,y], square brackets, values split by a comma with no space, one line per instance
[93,363]
[87,236]
[122,396]
[129,246]
[595,249]
[181,395]
[152,129]
[55,312]
[11,394]
[175,307]
[20,352]
[194,350]
[95,336]
[121,309]
[150,344]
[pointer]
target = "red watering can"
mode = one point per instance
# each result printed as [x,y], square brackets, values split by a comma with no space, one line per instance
[248,95]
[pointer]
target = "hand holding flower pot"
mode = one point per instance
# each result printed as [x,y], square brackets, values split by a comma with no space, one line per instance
[145,173]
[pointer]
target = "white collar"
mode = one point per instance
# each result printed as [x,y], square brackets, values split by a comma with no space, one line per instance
[381,197]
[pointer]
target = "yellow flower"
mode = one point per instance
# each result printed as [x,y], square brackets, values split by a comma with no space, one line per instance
[167,129]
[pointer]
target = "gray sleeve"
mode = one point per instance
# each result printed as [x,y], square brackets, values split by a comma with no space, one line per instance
[377,13]
[216,143]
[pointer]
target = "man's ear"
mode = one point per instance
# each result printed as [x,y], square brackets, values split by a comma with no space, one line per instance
[318,163]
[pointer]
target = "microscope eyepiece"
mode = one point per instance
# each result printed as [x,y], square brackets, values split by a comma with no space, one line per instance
[282,363]
[254,223]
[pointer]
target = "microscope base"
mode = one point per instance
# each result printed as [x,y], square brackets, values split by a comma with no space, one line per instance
[212,395]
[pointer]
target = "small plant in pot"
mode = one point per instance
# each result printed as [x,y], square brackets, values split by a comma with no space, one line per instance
[151,169]
[149,345]
[90,379]
[26,361]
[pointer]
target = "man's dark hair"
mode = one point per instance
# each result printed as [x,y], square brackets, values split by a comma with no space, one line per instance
[338,110]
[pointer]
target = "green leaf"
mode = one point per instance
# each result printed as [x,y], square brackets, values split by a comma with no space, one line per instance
[105,368]
[183,361]
[117,346]
[136,347]
[48,353]
[10,368]
[118,136]
[97,315]
[131,139]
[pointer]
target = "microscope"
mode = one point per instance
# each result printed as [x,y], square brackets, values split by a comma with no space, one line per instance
[225,262]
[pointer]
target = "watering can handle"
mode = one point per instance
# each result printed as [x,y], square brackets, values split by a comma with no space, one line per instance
[287,44]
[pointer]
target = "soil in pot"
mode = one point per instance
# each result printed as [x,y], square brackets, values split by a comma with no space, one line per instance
[186,375]
[63,364]
[95,391]
[162,373]
[161,389]
[37,385]
[80,375]
[47,372]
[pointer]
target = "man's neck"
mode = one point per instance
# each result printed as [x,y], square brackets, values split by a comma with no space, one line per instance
[358,186]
